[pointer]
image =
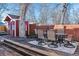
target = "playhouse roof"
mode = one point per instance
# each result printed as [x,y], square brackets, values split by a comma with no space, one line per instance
[10,17]
[14,16]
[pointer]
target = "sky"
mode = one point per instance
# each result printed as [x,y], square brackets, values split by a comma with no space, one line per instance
[14,8]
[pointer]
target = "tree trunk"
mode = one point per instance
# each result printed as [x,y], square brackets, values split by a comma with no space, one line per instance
[23,9]
[64,13]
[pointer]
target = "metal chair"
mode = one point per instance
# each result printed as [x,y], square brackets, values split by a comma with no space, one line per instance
[68,43]
[52,39]
[41,38]
[60,30]
[36,33]
[60,38]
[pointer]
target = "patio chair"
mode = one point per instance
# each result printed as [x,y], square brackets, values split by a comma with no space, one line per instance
[52,39]
[60,39]
[41,38]
[68,42]
[36,33]
[60,30]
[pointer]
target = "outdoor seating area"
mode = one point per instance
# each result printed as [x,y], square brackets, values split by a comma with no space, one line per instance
[55,35]
[58,36]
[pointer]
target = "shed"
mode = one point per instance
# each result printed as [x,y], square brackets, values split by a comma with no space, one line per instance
[13,24]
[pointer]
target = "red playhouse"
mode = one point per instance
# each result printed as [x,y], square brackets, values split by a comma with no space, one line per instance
[13,24]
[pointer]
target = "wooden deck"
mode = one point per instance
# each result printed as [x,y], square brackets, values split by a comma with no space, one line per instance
[25,40]
[4,51]
[33,49]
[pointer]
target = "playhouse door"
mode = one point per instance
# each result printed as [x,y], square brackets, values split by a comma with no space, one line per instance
[17,28]
[13,28]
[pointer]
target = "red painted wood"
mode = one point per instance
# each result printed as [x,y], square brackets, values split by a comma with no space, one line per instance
[32,29]
[17,28]
[26,26]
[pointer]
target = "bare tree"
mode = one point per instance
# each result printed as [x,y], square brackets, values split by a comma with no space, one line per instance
[65,13]
[43,17]
[56,13]
[30,15]
[23,9]
[76,16]
[60,14]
